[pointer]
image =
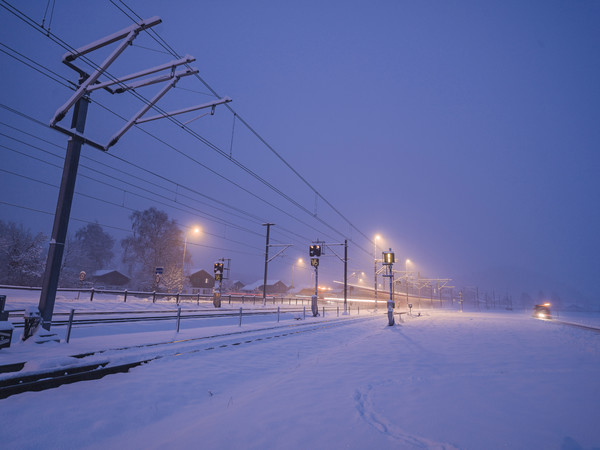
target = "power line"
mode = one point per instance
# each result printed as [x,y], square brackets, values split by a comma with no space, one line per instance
[165,45]
[161,41]
[92,197]
[68,86]
[193,210]
[66,46]
[167,179]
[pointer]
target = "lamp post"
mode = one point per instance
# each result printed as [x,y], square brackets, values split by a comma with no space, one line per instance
[299,261]
[377,237]
[196,230]
[406,272]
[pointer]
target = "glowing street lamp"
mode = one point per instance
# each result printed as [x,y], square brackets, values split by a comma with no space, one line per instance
[406,263]
[196,230]
[300,261]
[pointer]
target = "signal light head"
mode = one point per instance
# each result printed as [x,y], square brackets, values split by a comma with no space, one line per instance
[389,257]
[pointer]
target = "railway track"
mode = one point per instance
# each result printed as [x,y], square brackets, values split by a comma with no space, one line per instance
[96,365]
[158,316]
[577,325]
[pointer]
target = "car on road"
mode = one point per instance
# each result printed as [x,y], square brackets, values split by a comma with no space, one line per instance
[542,311]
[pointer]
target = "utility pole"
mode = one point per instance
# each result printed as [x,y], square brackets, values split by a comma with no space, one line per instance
[419,286]
[375,276]
[345,276]
[268,225]
[79,102]
[61,218]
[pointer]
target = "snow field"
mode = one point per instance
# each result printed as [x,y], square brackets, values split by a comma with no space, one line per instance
[444,380]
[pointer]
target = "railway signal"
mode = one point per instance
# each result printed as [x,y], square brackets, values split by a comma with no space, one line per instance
[388,261]
[218,268]
[314,252]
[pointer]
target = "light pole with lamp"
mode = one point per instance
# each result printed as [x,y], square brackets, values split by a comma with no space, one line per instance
[406,263]
[377,237]
[196,230]
[299,261]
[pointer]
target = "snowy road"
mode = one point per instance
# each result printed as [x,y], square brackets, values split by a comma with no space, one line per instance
[448,380]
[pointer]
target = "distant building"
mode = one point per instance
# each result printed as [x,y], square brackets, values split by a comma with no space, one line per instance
[109,279]
[236,286]
[273,287]
[305,292]
[202,282]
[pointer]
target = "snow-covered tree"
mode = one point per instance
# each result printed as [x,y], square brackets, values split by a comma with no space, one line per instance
[21,255]
[96,247]
[157,241]
[89,250]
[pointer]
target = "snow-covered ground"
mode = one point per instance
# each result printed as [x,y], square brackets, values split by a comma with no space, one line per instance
[443,380]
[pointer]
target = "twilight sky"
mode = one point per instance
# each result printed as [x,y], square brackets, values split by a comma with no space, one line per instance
[466,134]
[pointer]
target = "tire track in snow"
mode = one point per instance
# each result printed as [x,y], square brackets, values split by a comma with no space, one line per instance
[368,411]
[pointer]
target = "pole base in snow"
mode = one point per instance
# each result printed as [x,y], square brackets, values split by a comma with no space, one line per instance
[391,318]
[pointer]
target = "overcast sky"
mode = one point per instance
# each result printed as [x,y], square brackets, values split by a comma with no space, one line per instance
[466,134]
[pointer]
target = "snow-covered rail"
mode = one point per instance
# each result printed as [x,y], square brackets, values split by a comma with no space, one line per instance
[95,365]
[577,325]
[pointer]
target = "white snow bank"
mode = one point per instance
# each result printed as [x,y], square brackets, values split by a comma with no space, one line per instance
[445,380]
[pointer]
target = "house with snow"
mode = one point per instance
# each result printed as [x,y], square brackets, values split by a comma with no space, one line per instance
[236,286]
[273,287]
[109,279]
[202,282]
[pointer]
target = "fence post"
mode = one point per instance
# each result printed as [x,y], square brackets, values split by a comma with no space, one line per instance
[304,317]
[338,311]
[125,297]
[323,312]
[230,299]
[72,313]
[240,316]
[153,296]
[178,298]
[91,294]
[198,301]
[178,317]
[278,314]
[358,310]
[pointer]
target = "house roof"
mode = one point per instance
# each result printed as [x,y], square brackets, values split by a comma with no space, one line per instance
[113,277]
[99,273]
[201,271]
[257,284]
